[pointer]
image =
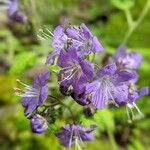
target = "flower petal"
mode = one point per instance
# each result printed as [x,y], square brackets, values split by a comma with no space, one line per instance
[96,46]
[123,76]
[87,69]
[99,98]
[107,70]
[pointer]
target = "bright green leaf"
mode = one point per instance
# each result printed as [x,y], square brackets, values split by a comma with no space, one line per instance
[22,61]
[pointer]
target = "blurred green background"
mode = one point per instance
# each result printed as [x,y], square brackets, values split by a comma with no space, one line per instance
[22,55]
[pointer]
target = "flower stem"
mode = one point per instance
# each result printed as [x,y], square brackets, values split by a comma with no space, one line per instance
[112,139]
[68,108]
[134,24]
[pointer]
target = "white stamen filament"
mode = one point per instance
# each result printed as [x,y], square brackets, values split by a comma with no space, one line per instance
[75,135]
[28,91]
[77,145]
[133,112]
[106,85]
[45,35]
[70,76]
[66,68]
[79,34]
[80,139]
[70,141]
[72,70]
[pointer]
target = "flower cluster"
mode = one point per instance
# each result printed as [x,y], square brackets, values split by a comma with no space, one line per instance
[92,87]
[13,11]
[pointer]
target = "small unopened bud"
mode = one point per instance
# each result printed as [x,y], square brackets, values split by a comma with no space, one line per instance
[89,110]
[38,124]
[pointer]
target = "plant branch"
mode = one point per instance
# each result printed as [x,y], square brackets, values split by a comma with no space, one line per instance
[112,140]
[134,24]
[68,108]
[129,17]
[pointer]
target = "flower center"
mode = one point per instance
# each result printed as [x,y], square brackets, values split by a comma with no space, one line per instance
[27,91]
[69,72]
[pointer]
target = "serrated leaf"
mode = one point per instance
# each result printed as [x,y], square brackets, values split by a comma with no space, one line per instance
[123,4]
[21,62]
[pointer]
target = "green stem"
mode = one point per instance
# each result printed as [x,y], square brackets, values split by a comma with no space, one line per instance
[129,17]
[134,24]
[68,108]
[112,140]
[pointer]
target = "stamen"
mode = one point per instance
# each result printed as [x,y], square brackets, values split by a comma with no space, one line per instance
[80,139]
[70,76]
[66,68]
[109,84]
[77,145]
[81,43]
[133,112]
[79,34]
[28,91]
[70,141]
[45,34]
[128,115]
[69,72]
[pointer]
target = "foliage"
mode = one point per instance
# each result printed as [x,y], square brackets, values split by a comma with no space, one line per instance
[21,50]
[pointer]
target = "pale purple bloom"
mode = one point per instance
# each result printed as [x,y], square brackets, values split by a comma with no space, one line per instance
[83,40]
[38,124]
[134,95]
[110,84]
[81,97]
[79,92]
[75,134]
[59,41]
[12,7]
[77,37]
[13,11]
[129,60]
[73,69]
[133,112]
[35,96]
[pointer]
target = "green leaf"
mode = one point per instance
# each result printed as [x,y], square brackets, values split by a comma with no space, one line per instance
[91,57]
[22,61]
[123,4]
[54,68]
[105,119]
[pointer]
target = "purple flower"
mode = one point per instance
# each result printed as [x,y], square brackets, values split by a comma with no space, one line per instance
[79,93]
[127,60]
[110,84]
[13,7]
[13,11]
[81,97]
[134,94]
[79,38]
[75,134]
[35,96]
[83,40]
[38,124]
[74,69]
[58,43]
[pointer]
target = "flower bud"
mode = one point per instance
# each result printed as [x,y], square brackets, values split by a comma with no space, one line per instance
[38,124]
